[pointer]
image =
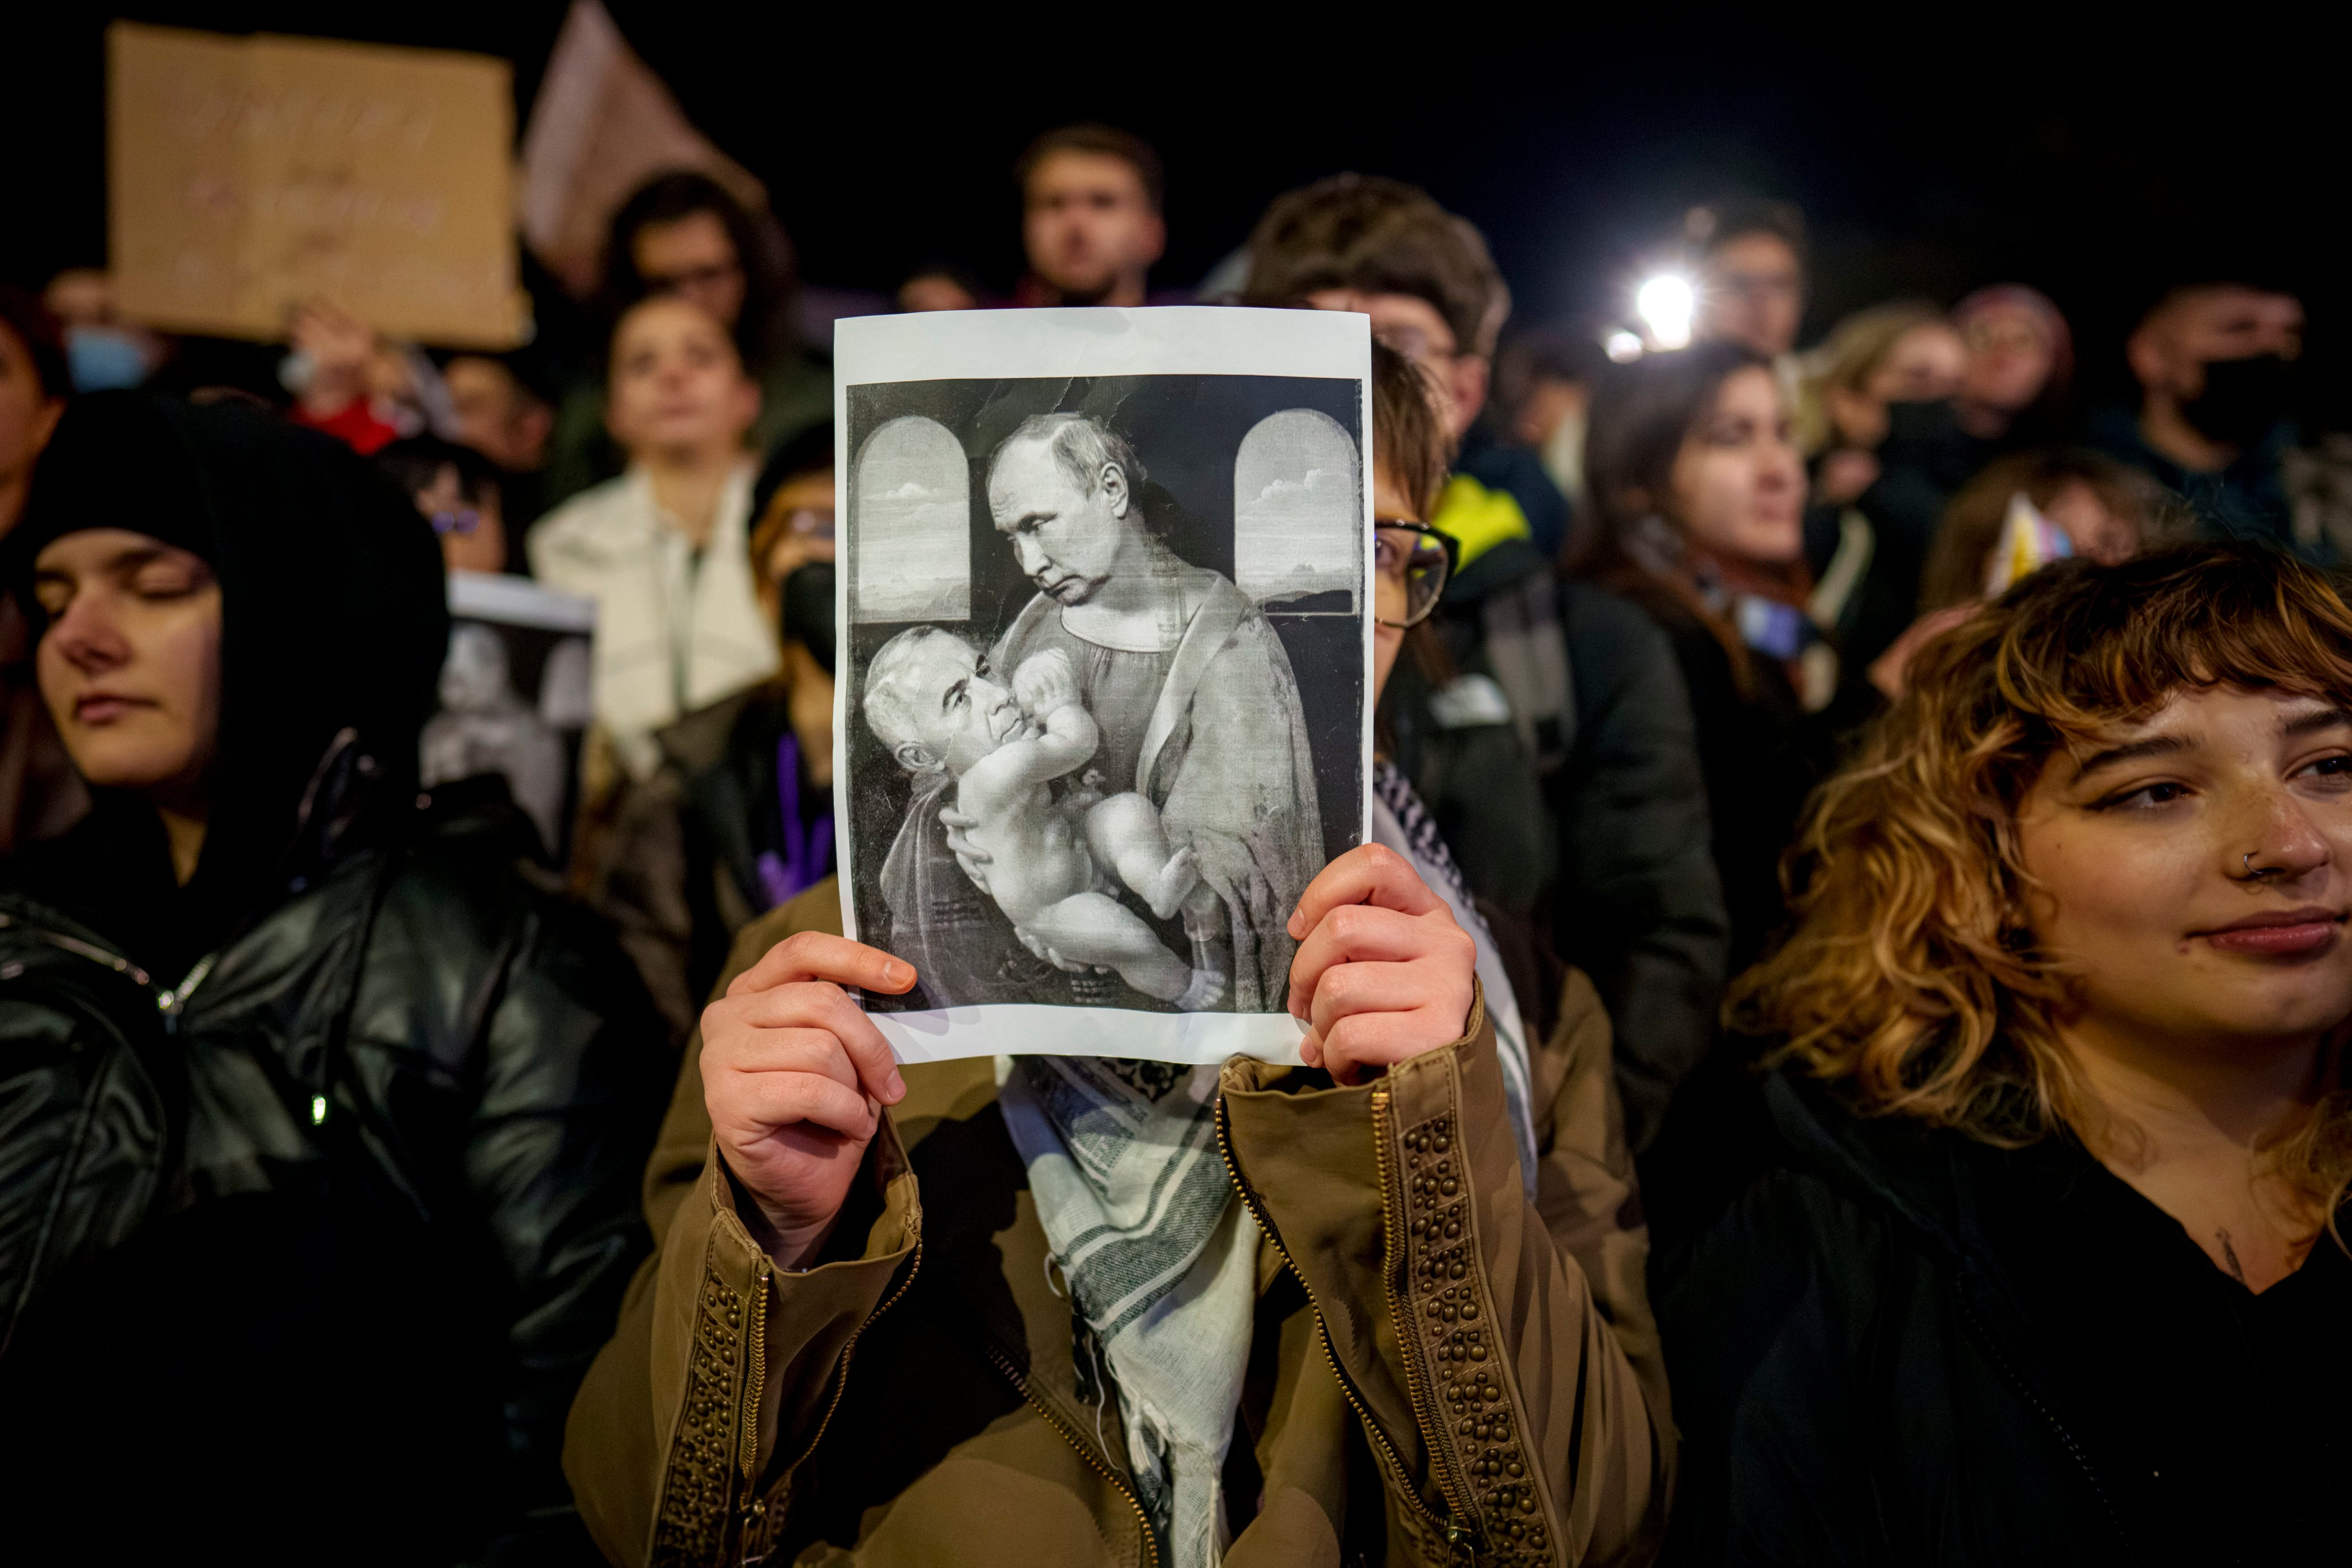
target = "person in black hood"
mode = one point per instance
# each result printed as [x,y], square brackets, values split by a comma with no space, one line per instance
[2041,1255]
[319,1180]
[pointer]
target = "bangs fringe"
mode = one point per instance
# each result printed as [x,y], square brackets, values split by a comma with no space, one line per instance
[1911,979]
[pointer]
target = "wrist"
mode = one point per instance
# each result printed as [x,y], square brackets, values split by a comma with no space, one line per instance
[789,1237]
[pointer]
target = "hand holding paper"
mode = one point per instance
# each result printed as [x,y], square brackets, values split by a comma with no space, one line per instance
[793,1074]
[1383,972]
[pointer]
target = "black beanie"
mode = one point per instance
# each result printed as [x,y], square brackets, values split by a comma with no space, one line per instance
[334,608]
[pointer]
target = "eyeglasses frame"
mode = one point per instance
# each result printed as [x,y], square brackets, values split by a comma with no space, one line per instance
[1453,549]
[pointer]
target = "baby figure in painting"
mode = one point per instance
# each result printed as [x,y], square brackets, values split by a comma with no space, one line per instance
[932,700]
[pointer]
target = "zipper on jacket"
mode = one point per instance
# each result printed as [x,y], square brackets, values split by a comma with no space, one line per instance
[755,1391]
[755,1377]
[1085,1450]
[1392,1221]
[1451,1531]
[172,1002]
[2049,1417]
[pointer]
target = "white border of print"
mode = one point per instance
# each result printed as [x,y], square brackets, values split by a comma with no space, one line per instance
[1170,340]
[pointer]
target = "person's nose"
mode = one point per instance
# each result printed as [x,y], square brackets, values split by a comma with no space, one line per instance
[2276,840]
[1030,554]
[87,635]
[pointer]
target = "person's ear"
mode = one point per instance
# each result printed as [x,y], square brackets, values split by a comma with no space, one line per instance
[2144,350]
[747,402]
[1155,240]
[1113,484]
[45,423]
[916,757]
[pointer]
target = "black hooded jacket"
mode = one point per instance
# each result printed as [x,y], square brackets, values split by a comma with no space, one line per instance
[1896,1347]
[317,1173]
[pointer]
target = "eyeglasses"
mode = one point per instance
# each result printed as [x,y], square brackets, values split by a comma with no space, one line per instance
[810,522]
[463,520]
[1419,557]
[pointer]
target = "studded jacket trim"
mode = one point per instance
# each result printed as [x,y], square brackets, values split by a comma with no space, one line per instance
[1470,1419]
[694,1521]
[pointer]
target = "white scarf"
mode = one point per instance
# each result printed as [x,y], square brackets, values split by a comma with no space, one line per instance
[672,633]
[1137,1207]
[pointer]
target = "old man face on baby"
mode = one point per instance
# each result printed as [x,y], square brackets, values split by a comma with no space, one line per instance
[932,699]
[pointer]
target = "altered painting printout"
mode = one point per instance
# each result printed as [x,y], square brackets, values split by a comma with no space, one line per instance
[1105,649]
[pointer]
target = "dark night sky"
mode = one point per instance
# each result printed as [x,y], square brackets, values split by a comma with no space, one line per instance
[2006,149]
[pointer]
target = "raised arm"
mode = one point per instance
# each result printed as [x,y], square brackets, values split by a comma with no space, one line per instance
[734,1331]
[1497,1351]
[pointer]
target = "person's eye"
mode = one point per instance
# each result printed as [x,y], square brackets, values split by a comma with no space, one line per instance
[2335,770]
[53,597]
[2147,798]
[164,583]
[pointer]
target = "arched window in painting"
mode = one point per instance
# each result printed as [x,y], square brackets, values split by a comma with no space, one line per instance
[911,530]
[1298,515]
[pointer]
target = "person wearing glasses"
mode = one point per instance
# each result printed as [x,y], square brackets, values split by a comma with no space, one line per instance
[890,1345]
[1543,723]
[685,234]
[458,491]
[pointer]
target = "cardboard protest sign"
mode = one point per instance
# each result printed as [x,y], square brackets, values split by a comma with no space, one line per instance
[1104,705]
[246,175]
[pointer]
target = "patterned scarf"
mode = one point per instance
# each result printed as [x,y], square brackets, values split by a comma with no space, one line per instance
[1138,1209]
[1402,823]
[1137,1206]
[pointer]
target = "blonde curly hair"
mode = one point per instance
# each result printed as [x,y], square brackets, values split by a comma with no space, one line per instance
[1911,979]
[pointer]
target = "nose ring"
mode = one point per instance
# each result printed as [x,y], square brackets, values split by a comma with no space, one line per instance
[2254,876]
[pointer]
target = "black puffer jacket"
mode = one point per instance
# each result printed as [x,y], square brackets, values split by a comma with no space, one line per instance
[317,1172]
[1896,1347]
[339,1220]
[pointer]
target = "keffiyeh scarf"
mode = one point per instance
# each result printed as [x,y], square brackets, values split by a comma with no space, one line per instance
[1137,1206]
[1162,1262]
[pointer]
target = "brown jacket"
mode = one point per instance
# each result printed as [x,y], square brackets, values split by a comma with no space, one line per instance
[1441,1373]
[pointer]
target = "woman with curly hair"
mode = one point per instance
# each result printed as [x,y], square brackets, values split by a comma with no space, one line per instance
[2043,1263]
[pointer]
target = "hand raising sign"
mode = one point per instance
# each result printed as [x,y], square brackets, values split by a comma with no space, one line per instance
[795,1075]
[1383,972]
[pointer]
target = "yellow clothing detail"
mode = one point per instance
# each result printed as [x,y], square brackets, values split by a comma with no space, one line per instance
[1478,518]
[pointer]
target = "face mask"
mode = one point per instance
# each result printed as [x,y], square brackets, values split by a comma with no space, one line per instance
[100,359]
[808,609]
[1920,424]
[2242,399]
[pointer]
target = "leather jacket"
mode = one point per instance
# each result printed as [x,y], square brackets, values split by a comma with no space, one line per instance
[330,1229]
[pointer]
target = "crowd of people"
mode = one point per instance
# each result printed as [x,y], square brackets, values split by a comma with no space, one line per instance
[1831,1053]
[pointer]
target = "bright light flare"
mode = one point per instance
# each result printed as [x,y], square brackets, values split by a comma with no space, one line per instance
[1622,347]
[1668,306]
